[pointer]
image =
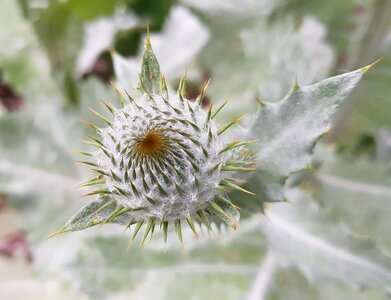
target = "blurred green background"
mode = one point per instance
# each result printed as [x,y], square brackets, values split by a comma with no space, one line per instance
[332,240]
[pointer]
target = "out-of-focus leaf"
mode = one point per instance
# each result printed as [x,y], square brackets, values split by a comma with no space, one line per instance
[99,264]
[358,194]
[288,130]
[155,11]
[290,284]
[19,282]
[383,145]
[303,238]
[338,16]
[36,173]
[182,37]
[126,73]
[311,240]
[263,59]
[368,108]
[20,56]
[246,7]
[29,156]
[99,36]
[84,10]
[59,33]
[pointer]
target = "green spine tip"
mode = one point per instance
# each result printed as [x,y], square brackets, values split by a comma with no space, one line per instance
[136,230]
[233,122]
[100,116]
[116,90]
[296,85]
[148,44]
[366,68]
[310,167]
[229,184]
[150,225]
[191,225]
[219,109]
[182,90]
[108,106]
[165,232]
[89,124]
[203,91]
[61,231]
[112,51]
[178,228]
[260,102]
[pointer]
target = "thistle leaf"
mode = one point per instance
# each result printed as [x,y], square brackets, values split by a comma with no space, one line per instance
[308,238]
[288,130]
[94,213]
[150,71]
[226,211]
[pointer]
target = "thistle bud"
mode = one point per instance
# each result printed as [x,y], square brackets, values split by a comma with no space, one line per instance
[162,159]
[161,156]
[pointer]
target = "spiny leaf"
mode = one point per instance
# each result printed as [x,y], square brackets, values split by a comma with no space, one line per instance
[151,223]
[204,219]
[150,71]
[178,229]
[191,225]
[92,214]
[202,95]
[224,128]
[214,114]
[100,116]
[288,130]
[136,230]
[227,212]
[226,183]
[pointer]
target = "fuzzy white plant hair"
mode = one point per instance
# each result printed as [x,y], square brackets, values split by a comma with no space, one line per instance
[164,159]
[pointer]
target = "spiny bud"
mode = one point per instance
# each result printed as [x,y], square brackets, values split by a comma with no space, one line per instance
[162,158]
[161,155]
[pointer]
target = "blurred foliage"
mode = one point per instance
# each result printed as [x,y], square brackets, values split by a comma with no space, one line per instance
[83,9]
[330,240]
[155,11]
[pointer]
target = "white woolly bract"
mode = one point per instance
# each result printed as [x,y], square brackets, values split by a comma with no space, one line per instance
[178,182]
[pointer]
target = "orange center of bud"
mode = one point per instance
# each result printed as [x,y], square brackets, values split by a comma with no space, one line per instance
[152,144]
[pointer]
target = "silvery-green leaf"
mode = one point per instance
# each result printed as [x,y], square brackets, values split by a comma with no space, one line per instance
[266,57]
[58,32]
[19,281]
[367,109]
[368,106]
[95,212]
[289,53]
[291,284]
[31,160]
[311,240]
[97,262]
[357,193]
[246,7]
[337,16]
[20,55]
[37,174]
[288,130]
[150,71]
